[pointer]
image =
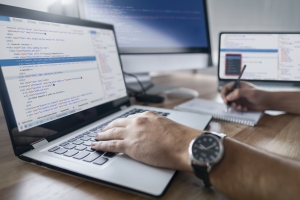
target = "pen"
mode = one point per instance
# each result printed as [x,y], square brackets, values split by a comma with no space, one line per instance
[236,84]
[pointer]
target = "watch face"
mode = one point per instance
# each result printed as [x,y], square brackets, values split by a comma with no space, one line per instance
[206,149]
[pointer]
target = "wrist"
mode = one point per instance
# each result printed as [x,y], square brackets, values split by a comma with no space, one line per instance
[221,171]
[273,100]
[185,157]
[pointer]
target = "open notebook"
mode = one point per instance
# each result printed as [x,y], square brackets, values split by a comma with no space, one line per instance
[218,111]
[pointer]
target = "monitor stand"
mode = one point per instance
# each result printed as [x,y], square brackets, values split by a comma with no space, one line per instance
[145,80]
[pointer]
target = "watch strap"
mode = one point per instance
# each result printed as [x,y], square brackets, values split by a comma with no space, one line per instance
[219,135]
[201,172]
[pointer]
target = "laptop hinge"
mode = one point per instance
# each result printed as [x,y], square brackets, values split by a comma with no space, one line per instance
[39,143]
[123,107]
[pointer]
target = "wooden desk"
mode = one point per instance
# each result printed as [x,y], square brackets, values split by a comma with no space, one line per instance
[19,180]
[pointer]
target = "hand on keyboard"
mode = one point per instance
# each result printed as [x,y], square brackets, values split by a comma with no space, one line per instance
[79,147]
[149,138]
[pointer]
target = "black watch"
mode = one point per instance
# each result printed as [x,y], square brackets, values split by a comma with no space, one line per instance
[205,151]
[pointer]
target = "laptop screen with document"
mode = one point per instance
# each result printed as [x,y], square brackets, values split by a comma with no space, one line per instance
[57,75]
[268,56]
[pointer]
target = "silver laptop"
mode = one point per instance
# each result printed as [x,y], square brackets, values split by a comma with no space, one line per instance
[61,83]
[272,59]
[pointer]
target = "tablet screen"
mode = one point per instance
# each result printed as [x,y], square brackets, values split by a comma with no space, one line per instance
[267,56]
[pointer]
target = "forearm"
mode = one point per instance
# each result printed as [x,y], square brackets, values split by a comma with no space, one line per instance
[285,101]
[246,173]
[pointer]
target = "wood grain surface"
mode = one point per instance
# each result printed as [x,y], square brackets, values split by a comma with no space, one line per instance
[19,180]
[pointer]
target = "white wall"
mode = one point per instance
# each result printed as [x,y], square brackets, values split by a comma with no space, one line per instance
[41,5]
[61,7]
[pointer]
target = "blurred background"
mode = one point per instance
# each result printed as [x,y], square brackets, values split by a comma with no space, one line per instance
[224,15]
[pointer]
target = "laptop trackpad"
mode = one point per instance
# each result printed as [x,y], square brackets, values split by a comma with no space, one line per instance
[193,120]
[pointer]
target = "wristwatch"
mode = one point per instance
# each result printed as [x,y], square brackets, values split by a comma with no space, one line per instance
[205,151]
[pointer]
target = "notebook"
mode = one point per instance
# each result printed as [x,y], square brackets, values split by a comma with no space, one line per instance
[219,111]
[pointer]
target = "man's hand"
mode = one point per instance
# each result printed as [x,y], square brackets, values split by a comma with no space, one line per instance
[246,97]
[150,138]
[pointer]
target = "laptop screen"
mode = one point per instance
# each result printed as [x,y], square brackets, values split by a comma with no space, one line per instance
[57,74]
[273,57]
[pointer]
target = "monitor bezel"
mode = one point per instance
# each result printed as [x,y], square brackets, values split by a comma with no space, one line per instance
[135,51]
[110,107]
[251,80]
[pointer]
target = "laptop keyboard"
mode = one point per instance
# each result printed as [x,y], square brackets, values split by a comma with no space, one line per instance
[79,147]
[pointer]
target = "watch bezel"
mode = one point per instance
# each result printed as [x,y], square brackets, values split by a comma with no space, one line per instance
[206,164]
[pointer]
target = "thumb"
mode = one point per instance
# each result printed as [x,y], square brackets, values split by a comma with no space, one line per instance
[236,94]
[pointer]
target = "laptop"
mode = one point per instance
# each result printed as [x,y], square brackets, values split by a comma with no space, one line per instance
[61,82]
[272,59]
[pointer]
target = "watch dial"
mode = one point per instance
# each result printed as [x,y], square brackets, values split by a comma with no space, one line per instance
[206,149]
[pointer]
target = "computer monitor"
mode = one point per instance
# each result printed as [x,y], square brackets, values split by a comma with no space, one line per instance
[155,35]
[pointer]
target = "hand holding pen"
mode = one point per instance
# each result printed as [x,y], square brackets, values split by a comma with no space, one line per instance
[236,84]
[243,96]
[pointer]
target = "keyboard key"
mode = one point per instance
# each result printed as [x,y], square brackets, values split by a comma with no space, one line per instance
[71,153]
[81,155]
[64,144]
[72,140]
[99,127]
[53,149]
[132,112]
[78,136]
[100,152]
[80,147]
[85,133]
[60,151]
[93,129]
[85,138]
[78,142]
[93,140]
[69,146]
[87,143]
[92,134]
[109,154]
[165,114]
[93,156]
[90,149]
[100,161]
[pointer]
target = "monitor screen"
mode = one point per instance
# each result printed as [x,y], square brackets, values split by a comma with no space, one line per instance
[267,56]
[153,26]
[54,70]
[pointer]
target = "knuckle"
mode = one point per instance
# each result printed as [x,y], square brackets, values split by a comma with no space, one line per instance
[112,145]
[141,120]
[112,131]
[150,113]
[97,145]
[114,122]
[238,92]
